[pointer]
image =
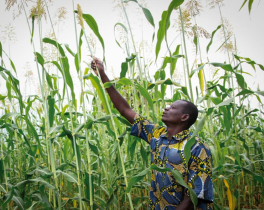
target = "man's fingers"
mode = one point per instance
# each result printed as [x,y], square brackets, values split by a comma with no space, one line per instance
[96,59]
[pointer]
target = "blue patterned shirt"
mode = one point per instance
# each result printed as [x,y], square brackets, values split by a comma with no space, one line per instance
[165,192]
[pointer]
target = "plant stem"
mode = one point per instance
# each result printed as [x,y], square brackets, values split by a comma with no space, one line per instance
[186,56]
[115,130]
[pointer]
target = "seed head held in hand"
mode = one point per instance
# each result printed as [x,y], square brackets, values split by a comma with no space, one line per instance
[97,65]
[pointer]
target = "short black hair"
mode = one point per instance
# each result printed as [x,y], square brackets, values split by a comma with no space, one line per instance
[192,110]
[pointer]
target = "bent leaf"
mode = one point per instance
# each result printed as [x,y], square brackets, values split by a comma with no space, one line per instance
[96,83]
[93,25]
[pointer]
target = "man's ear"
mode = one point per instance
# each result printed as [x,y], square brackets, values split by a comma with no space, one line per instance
[185,117]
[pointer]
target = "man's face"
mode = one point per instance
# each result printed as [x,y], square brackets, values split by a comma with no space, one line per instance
[174,113]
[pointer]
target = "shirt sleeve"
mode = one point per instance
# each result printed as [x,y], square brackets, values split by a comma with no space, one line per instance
[200,172]
[142,128]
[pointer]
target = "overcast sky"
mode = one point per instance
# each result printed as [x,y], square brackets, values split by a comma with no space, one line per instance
[248,30]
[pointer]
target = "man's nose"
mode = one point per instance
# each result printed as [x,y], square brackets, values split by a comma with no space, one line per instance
[166,108]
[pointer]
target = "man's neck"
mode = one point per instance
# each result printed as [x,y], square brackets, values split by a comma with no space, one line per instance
[172,130]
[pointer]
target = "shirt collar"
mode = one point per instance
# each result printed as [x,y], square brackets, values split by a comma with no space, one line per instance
[178,136]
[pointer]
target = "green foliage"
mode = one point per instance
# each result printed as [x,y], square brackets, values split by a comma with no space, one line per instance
[59,152]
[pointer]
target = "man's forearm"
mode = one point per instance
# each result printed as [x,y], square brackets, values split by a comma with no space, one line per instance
[119,102]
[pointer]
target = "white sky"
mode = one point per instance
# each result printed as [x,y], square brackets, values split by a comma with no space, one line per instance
[248,29]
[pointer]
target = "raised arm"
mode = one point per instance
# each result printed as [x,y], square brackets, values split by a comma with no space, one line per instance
[119,102]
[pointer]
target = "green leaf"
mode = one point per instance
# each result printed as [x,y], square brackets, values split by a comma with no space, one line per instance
[224,43]
[2,171]
[195,70]
[124,81]
[161,32]
[250,2]
[70,176]
[78,55]
[147,14]
[1,50]
[187,148]
[241,81]
[216,100]
[55,129]
[161,82]
[124,27]
[55,44]
[226,102]
[35,134]
[184,90]
[69,50]
[195,39]
[32,32]
[19,202]
[8,115]
[64,110]
[190,142]
[89,181]
[160,169]
[75,146]
[44,172]
[36,180]
[243,4]
[68,77]
[259,92]
[80,127]
[257,177]
[13,65]
[131,57]
[93,25]
[178,176]
[34,205]
[39,58]
[15,86]
[213,33]
[249,61]
[2,189]
[96,83]
[172,60]
[244,92]
[124,68]
[108,84]
[165,23]
[175,55]
[146,95]
[226,67]
[135,179]
[51,103]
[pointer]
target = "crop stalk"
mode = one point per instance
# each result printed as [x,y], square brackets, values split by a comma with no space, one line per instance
[186,56]
[133,42]
[114,126]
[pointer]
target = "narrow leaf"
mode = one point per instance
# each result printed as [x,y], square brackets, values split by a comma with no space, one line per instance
[93,25]
[213,33]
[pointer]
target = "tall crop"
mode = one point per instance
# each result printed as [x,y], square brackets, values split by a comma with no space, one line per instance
[68,147]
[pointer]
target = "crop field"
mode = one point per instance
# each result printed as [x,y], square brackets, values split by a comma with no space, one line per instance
[63,145]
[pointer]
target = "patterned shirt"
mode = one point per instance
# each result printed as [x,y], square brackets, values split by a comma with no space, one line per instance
[165,192]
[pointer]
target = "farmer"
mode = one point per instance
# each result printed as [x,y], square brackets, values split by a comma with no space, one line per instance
[167,150]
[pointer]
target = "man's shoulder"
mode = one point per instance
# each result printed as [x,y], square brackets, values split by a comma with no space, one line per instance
[158,130]
[199,145]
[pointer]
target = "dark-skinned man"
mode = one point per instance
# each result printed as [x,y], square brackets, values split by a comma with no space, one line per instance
[167,150]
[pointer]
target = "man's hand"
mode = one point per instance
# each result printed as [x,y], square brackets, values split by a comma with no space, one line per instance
[119,102]
[186,204]
[97,66]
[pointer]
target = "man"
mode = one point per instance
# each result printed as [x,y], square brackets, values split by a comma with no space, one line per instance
[167,150]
